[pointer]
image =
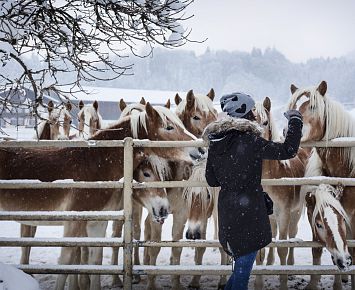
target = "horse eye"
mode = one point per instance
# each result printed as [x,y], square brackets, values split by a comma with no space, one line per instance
[319,226]
[196,118]
[70,121]
[208,196]
[146,174]
[169,128]
[266,123]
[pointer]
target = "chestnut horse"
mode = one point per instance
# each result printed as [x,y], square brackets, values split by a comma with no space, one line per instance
[201,203]
[57,123]
[328,221]
[89,120]
[196,111]
[325,119]
[287,207]
[81,164]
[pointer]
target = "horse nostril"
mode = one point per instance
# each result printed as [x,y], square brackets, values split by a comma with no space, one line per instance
[340,263]
[163,212]
[201,150]
[188,235]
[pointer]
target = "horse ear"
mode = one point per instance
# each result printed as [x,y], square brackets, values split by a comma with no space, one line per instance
[81,104]
[143,102]
[177,99]
[95,105]
[190,99]
[322,88]
[167,105]
[293,89]
[122,104]
[211,94]
[68,106]
[50,106]
[151,112]
[267,104]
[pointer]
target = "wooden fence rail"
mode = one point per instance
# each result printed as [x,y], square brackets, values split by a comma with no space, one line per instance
[127,242]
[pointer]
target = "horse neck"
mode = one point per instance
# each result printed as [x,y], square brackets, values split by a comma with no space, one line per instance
[45,131]
[338,123]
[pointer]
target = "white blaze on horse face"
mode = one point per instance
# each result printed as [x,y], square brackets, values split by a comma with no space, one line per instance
[340,253]
[303,99]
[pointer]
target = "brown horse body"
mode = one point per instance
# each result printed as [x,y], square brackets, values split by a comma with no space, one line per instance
[325,119]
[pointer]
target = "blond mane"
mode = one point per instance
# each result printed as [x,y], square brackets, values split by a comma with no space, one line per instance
[324,195]
[207,195]
[337,121]
[132,109]
[202,102]
[160,167]
[140,120]
[260,110]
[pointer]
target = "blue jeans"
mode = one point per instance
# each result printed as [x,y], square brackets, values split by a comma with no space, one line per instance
[241,272]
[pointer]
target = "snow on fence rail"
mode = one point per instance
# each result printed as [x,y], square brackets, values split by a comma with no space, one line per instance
[127,242]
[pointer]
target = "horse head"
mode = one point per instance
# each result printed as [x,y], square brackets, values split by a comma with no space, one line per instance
[200,202]
[328,221]
[155,200]
[89,119]
[59,121]
[196,111]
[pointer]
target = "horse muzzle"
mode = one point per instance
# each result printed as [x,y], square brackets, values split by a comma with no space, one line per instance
[159,215]
[343,264]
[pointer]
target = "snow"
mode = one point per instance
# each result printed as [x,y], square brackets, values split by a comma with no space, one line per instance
[14,279]
[49,255]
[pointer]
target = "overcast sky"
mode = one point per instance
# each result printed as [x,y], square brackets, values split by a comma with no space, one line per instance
[300,29]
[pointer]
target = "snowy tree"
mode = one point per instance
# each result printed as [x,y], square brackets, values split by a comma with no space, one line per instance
[43,42]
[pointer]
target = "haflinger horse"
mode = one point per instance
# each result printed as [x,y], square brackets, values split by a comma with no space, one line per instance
[88,164]
[329,222]
[287,206]
[325,119]
[89,120]
[201,203]
[196,111]
[55,126]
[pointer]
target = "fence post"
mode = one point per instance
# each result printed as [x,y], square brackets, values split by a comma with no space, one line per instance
[127,202]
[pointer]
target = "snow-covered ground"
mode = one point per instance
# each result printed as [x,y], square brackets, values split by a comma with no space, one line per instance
[212,256]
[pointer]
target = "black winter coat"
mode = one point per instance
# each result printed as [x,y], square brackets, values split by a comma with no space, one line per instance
[234,163]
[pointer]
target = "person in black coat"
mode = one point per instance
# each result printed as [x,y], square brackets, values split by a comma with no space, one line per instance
[236,151]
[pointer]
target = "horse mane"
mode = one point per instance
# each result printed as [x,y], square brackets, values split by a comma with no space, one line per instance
[132,109]
[324,198]
[140,120]
[275,135]
[338,121]
[160,167]
[198,174]
[202,102]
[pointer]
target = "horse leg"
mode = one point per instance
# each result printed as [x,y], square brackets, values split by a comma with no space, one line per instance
[73,278]
[153,252]
[137,219]
[317,254]
[147,237]
[224,261]
[67,254]
[95,229]
[84,280]
[199,252]
[259,279]
[292,230]
[179,221]
[116,233]
[29,232]
[284,221]
[271,253]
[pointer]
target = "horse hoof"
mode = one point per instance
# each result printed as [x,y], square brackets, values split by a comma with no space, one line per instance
[136,279]
[221,287]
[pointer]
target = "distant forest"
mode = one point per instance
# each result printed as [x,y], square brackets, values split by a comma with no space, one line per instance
[260,73]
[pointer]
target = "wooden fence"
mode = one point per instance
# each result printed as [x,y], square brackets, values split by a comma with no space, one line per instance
[127,242]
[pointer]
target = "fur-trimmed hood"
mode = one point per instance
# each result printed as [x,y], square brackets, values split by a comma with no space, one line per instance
[221,127]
